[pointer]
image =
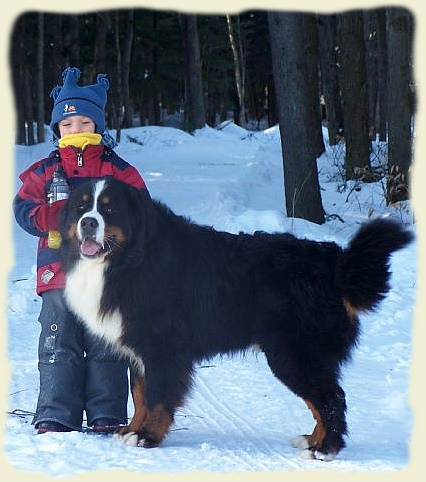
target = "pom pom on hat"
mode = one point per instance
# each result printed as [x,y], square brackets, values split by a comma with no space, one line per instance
[73,99]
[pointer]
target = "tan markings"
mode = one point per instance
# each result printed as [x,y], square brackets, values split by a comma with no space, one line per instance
[350,310]
[157,426]
[72,231]
[316,439]
[115,231]
[139,402]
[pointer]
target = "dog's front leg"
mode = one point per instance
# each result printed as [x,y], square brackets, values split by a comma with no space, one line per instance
[129,434]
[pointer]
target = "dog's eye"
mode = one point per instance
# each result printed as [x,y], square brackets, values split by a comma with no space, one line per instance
[108,210]
[82,206]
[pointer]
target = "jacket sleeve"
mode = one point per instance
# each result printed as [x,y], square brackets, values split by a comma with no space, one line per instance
[30,205]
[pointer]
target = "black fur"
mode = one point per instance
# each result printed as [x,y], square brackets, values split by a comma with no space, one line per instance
[188,292]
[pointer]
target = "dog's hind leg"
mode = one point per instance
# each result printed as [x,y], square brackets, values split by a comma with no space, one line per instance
[318,387]
[326,440]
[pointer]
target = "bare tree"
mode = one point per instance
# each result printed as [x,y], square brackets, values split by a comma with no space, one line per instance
[400,102]
[99,56]
[195,114]
[330,77]
[311,49]
[127,53]
[353,84]
[117,107]
[239,68]
[302,192]
[40,79]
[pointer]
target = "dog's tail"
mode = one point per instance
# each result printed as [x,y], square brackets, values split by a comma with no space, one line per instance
[363,269]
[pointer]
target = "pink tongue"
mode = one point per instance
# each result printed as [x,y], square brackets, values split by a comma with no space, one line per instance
[89,247]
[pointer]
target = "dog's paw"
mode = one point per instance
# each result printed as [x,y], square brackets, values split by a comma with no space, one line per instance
[306,452]
[300,442]
[131,439]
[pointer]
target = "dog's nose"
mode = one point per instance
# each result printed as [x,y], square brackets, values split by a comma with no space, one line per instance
[89,226]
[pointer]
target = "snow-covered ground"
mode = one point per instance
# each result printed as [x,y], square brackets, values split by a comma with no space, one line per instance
[238,417]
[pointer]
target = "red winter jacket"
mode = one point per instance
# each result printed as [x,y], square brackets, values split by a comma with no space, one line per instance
[37,217]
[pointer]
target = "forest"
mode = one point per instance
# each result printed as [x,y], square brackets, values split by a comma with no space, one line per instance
[350,72]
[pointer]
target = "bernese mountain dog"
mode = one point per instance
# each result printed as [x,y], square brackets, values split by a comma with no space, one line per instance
[169,293]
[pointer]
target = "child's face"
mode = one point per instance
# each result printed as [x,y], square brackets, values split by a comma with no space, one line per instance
[76,124]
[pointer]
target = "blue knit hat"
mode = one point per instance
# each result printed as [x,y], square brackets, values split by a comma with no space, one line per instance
[72,99]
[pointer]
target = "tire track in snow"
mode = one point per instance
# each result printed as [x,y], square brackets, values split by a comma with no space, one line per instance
[243,441]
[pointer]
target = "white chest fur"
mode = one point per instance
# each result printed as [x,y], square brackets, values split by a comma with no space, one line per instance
[83,293]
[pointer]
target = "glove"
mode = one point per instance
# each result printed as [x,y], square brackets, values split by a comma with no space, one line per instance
[54,216]
[54,238]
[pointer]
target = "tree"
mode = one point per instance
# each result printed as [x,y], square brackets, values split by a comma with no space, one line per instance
[40,79]
[311,55]
[195,114]
[239,67]
[125,73]
[400,102]
[330,77]
[302,192]
[117,99]
[353,83]
[19,59]
[382,68]
[99,57]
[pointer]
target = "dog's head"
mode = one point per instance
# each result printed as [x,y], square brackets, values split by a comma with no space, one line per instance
[102,219]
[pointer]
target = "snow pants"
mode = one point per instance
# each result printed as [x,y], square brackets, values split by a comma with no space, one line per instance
[78,372]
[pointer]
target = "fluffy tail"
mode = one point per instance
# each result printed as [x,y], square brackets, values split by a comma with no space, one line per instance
[363,269]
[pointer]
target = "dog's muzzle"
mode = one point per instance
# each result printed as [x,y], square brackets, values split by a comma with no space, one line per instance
[90,244]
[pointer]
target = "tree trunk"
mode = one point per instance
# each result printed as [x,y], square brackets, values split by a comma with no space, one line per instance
[330,77]
[195,114]
[127,53]
[354,94]
[99,56]
[400,102]
[371,63]
[310,29]
[382,68]
[40,79]
[55,26]
[118,104]
[302,192]
[17,62]
[239,70]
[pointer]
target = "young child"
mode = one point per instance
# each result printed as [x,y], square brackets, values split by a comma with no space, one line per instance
[77,372]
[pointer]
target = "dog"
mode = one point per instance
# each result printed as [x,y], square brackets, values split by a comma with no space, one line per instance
[168,293]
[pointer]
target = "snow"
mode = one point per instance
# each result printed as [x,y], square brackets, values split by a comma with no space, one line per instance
[239,418]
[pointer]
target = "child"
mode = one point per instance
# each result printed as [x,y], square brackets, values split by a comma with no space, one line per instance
[77,372]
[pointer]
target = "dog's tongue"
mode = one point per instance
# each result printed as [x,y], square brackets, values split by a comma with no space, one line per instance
[89,247]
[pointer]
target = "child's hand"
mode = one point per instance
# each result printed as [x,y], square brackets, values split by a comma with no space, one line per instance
[54,214]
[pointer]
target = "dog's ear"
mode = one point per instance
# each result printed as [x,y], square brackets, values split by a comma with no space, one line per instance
[62,218]
[144,223]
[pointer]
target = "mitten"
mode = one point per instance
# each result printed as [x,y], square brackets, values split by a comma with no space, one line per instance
[54,237]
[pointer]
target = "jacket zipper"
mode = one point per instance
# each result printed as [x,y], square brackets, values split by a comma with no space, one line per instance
[79,158]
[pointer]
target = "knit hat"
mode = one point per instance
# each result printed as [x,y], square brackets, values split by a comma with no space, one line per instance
[72,99]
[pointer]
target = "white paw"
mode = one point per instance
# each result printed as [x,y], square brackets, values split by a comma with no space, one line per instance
[324,457]
[130,439]
[300,442]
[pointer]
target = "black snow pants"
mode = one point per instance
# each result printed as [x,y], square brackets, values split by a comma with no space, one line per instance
[78,372]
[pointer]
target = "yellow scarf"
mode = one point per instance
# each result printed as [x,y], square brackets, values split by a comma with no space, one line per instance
[80,140]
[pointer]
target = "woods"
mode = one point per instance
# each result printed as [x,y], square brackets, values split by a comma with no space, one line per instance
[350,72]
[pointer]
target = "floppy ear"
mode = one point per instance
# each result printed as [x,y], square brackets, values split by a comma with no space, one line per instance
[144,224]
[62,219]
